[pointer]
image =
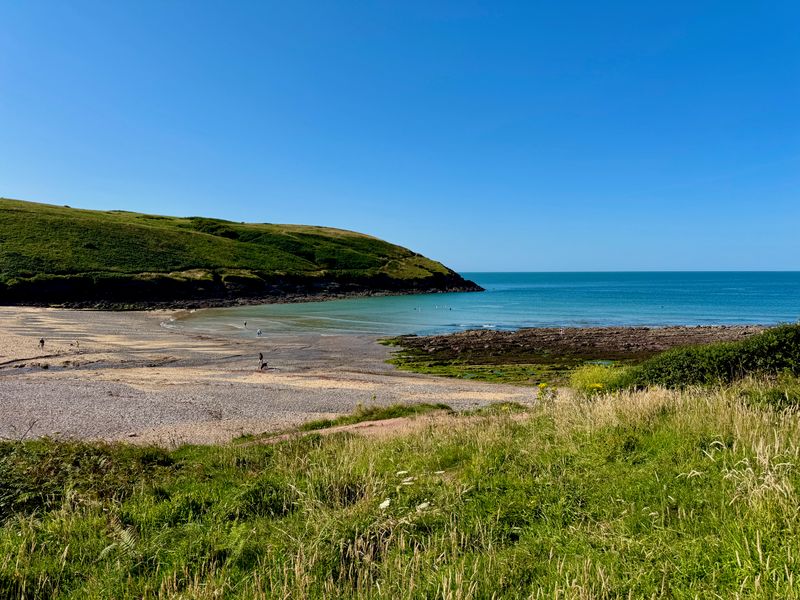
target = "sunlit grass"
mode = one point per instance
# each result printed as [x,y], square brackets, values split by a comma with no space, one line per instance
[652,494]
[375,413]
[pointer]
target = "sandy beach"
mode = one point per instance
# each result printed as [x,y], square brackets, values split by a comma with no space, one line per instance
[123,376]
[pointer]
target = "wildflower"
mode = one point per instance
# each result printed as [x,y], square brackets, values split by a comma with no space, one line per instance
[385,504]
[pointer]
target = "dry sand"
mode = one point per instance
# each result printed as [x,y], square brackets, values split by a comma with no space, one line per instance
[123,376]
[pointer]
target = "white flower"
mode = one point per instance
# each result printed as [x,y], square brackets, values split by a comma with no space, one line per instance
[385,504]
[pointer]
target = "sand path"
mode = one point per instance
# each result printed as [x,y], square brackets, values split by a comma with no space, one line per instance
[123,376]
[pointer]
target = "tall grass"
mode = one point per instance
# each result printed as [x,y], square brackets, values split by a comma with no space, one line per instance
[689,494]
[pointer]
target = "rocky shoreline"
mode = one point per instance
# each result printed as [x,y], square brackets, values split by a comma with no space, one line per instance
[537,345]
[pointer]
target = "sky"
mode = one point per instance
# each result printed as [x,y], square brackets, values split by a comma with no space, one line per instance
[492,136]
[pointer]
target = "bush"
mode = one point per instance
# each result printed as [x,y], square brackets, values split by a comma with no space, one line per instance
[772,352]
[595,378]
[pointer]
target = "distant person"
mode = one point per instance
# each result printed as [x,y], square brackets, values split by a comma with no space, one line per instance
[262,364]
[41,344]
[245,324]
[258,333]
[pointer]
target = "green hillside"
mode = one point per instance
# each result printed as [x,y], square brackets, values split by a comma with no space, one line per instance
[52,254]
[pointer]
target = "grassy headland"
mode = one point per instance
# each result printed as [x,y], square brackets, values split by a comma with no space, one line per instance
[684,493]
[51,254]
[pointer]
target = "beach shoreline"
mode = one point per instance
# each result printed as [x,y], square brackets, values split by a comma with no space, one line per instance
[122,376]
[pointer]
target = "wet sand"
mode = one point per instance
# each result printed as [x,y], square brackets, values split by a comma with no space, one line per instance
[123,376]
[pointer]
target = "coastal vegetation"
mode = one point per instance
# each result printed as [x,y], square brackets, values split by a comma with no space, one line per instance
[52,254]
[596,363]
[658,493]
[770,353]
[375,413]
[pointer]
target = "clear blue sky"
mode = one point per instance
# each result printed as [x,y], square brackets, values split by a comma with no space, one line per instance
[489,135]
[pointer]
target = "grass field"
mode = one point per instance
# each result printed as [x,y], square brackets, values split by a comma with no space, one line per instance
[59,251]
[554,371]
[686,493]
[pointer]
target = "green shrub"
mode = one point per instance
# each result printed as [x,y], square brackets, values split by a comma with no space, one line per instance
[771,352]
[595,378]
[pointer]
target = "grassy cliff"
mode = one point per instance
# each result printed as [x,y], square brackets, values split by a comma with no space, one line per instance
[52,254]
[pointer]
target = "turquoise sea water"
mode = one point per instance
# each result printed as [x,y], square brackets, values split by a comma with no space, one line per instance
[514,300]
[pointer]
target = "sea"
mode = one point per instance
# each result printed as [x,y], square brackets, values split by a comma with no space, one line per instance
[516,300]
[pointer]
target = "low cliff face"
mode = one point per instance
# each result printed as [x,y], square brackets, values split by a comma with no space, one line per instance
[172,290]
[59,255]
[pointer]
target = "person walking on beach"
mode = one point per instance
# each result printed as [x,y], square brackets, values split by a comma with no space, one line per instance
[41,344]
[262,364]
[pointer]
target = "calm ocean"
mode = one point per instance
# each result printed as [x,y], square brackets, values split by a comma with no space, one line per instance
[514,300]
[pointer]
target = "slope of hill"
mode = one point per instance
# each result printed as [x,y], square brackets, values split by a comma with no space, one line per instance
[60,255]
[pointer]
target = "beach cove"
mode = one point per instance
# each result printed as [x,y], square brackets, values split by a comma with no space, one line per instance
[122,376]
[131,376]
